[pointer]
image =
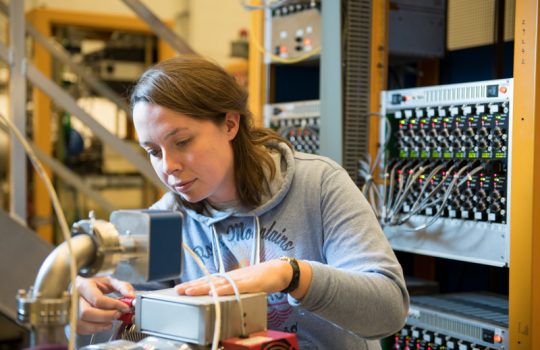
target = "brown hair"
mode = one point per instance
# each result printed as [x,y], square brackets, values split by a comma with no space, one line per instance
[200,89]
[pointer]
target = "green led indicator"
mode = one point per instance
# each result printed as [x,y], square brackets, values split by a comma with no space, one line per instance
[472,155]
[460,155]
[424,154]
[435,154]
[486,155]
[499,155]
[447,155]
[414,154]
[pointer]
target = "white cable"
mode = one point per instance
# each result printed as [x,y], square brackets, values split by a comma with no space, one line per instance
[445,198]
[239,300]
[411,179]
[61,220]
[424,203]
[207,275]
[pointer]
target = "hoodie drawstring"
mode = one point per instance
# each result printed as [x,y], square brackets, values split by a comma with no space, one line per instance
[255,254]
[216,248]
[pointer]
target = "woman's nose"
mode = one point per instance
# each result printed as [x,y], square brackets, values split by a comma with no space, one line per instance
[171,164]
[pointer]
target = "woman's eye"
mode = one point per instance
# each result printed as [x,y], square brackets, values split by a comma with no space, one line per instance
[183,142]
[153,152]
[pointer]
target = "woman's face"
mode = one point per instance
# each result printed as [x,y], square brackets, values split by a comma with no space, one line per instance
[194,158]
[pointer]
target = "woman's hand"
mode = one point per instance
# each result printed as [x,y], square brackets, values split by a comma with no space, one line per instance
[270,277]
[97,311]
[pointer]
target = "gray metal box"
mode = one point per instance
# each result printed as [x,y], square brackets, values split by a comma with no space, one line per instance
[164,313]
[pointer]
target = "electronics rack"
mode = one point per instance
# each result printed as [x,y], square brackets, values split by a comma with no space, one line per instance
[462,321]
[464,131]
[293,29]
[297,122]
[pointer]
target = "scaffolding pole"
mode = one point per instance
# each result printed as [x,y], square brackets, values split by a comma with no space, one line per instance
[17,92]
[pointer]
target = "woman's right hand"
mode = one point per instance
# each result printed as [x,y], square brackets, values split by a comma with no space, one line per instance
[96,310]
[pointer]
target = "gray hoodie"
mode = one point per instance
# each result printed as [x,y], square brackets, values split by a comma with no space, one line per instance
[313,212]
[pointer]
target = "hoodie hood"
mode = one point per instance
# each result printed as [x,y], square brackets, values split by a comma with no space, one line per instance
[277,188]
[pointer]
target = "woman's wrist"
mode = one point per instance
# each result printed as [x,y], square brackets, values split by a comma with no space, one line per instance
[303,273]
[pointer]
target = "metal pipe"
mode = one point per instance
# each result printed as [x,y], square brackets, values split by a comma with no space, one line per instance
[162,31]
[53,277]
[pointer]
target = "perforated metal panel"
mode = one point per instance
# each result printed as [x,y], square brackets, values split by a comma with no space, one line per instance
[472,23]
[357,23]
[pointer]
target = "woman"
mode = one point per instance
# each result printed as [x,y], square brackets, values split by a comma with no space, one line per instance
[249,200]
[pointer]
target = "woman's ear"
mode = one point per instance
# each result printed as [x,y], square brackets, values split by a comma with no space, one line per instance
[232,124]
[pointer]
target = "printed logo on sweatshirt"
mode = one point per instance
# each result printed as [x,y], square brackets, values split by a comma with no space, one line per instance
[239,232]
[279,312]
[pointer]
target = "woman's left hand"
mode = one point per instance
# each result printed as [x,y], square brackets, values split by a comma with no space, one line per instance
[270,277]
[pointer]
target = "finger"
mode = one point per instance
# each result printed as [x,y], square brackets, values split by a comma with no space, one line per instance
[107,303]
[85,327]
[123,287]
[224,290]
[200,284]
[91,292]
[100,316]
[110,285]
[193,291]
[96,315]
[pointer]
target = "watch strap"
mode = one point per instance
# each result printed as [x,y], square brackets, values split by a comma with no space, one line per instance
[295,280]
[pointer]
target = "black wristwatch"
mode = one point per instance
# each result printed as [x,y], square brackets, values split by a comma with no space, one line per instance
[295,276]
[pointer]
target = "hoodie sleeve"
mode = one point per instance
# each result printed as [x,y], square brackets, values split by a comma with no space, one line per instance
[360,287]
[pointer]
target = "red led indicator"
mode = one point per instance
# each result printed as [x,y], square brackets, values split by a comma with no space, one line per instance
[503,89]
[307,41]
[283,49]
[497,338]
[481,184]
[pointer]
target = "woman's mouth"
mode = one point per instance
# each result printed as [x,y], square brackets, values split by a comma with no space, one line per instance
[183,186]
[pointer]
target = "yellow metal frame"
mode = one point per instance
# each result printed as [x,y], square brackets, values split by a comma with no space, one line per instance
[44,19]
[525,188]
[256,73]
[378,67]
